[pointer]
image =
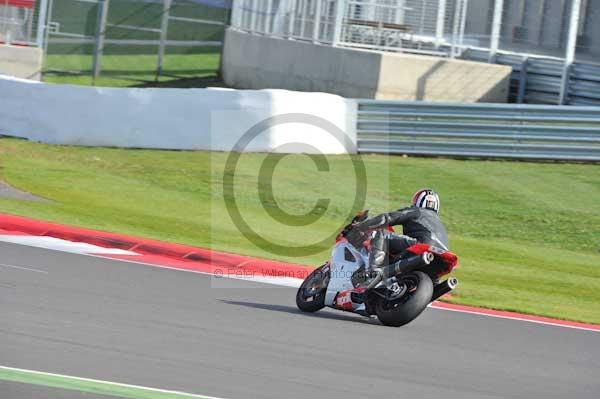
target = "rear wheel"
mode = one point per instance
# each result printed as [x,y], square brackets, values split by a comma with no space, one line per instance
[396,313]
[311,294]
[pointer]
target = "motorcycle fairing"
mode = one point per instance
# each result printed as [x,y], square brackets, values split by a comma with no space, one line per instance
[449,260]
[342,267]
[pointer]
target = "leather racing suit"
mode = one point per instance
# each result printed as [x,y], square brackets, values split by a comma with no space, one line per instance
[419,225]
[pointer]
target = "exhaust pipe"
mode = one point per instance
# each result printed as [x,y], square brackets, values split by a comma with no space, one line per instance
[443,288]
[407,265]
[402,266]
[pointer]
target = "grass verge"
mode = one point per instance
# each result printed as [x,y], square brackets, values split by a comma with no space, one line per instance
[179,70]
[528,234]
[86,385]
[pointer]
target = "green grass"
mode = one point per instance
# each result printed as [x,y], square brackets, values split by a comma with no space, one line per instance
[84,385]
[527,234]
[179,70]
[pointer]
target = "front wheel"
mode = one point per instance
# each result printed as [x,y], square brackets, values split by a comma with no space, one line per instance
[311,294]
[399,312]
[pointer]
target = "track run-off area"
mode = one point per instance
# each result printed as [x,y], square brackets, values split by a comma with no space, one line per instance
[75,323]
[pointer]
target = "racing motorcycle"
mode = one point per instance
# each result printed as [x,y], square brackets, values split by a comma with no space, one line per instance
[396,293]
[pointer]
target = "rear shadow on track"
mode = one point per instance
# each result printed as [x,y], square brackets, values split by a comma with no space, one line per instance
[295,310]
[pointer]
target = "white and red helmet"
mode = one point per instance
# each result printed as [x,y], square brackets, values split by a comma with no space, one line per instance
[426,198]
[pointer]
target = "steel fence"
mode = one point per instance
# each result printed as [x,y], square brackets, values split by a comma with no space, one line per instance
[549,28]
[565,29]
[553,45]
[19,22]
[416,26]
[81,33]
[479,130]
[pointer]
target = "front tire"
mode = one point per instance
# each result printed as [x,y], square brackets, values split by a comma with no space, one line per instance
[311,294]
[409,306]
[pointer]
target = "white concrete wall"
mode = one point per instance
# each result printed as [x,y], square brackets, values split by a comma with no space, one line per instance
[186,119]
[21,62]
[259,62]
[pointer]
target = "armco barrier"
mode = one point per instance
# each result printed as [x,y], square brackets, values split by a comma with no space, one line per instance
[185,119]
[537,80]
[479,130]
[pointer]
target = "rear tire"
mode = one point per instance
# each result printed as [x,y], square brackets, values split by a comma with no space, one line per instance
[406,309]
[309,299]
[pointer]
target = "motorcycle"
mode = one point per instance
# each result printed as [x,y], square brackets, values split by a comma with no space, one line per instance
[396,293]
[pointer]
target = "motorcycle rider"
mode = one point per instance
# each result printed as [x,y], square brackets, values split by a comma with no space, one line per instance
[420,222]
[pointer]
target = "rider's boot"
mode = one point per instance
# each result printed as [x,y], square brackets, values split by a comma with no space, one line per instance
[378,253]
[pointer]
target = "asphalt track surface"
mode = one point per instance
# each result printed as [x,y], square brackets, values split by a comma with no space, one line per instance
[123,322]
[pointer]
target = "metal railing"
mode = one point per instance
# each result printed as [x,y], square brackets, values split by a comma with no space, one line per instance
[415,26]
[479,130]
[546,42]
[18,22]
[538,80]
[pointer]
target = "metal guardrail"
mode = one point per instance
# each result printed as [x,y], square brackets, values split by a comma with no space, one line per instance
[479,130]
[537,80]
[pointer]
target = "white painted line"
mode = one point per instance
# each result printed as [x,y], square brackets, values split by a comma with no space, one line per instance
[57,244]
[116,384]
[280,281]
[23,268]
[517,318]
